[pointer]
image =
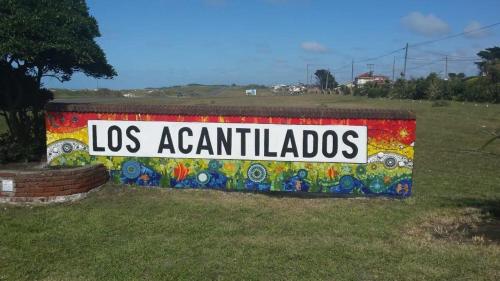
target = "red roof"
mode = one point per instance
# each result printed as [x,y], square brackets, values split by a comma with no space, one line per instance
[372,76]
[365,75]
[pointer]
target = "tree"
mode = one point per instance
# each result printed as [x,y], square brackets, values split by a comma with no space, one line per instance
[490,64]
[453,75]
[373,90]
[487,87]
[433,89]
[325,79]
[43,38]
[454,87]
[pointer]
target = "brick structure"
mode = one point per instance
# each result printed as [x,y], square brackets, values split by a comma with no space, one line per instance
[49,185]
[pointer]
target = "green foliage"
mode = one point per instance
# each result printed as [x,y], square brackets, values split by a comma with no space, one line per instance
[38,39]
[21,105]
[478,89]
[51,37]
[484,88]
[490,64]
[433,89]
[373,90]
[13,149]
[325,79]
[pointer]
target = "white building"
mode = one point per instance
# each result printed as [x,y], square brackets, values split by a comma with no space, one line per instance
[369,77]
[251,92]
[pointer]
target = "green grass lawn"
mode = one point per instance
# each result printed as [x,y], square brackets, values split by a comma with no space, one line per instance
[448,230]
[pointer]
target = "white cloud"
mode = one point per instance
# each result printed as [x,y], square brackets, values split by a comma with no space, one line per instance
[472,31]
[426,25]
[313,47]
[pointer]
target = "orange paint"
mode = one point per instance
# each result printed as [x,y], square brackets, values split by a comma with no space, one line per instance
[180,172]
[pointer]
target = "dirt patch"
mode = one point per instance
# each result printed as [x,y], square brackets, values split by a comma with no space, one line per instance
[469,225]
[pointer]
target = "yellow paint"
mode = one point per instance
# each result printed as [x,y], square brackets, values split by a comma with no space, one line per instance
[80,134]
[393,146]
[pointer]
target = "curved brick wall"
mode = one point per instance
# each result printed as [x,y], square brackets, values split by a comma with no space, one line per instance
[51,185]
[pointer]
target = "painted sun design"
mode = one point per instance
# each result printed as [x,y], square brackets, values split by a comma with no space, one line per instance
[403,133]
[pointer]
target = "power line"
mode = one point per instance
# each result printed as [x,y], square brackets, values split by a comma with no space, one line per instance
[448,58]
[430,42]
[381,56]
[422,65]
[342,67]
[444,58]
[445,55]
[448,55]
[454,35]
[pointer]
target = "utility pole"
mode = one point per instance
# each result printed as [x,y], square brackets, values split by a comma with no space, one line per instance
[404,71]
[307,75]
[352,71]
[393,68]
[406,58]
[446,68]
[370,68]
[327,75]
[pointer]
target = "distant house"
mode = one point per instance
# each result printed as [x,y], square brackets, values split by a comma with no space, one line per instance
[370,77]
[279,87]
[251,92]
[349,85]
[296,89]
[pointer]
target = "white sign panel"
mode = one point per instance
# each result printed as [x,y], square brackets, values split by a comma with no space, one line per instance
[7,185]
[242,141]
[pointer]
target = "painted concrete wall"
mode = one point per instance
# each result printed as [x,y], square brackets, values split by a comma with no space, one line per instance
[387,170]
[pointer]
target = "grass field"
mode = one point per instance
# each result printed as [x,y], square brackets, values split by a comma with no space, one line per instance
[449,229]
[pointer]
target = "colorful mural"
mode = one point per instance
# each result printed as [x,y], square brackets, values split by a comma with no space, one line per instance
[388,171]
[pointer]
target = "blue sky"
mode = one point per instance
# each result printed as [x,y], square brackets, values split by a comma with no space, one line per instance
[165,43]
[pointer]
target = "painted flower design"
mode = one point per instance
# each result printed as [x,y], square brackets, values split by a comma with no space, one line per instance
[361,170]
[331,172]
[387,179]
[257,173]
[131,169]
[214,165]
[402,188]
[229,167]
[180,172]
[302,173]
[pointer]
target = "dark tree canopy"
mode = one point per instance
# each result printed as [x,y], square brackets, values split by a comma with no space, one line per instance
[40,38]
[490,64]
[23,90]
[325,79]
[453,75]
[51,38]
